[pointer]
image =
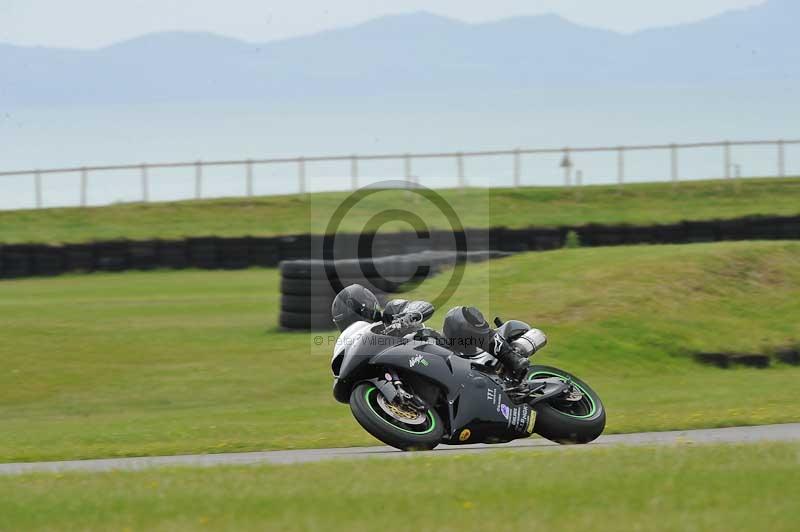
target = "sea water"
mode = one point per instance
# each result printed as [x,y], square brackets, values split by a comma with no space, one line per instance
[57,137]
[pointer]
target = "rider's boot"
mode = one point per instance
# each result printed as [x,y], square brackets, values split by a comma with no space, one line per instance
[515,363]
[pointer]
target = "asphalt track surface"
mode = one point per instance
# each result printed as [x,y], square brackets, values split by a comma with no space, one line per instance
[763,433]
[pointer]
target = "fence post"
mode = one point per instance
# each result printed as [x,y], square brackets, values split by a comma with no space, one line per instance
[407,166]
[566,164]
[249,178]
[621,165]
[460,167]
[37,188]
[407,173]
[84,186]
[738,175]
[145,184]
[301,175]
[781,159]
[198,180]
[354,172]
[517,168]
[673,151]
[727,158]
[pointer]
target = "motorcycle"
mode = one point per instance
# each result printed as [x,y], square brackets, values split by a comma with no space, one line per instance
[409,388]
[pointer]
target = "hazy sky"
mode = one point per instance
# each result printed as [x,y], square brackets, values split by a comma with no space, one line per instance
[94,23]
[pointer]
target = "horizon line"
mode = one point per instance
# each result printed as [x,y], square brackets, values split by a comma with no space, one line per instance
[345,27]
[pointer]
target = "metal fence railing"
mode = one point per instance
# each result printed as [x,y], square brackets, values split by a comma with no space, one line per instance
[571,177]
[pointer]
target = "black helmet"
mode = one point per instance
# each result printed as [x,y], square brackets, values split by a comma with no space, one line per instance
[466,330]
[354,303]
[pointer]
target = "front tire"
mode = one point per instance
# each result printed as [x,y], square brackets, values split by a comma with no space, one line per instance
[568,423]
[372,417]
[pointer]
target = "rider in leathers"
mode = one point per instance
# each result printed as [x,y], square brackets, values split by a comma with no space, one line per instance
[465,329]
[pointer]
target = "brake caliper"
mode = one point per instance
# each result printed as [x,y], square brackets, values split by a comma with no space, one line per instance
[573,394]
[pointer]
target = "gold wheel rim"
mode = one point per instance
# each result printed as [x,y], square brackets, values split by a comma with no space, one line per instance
[400,413]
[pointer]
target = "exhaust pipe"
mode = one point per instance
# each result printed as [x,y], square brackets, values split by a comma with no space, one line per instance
[530,342]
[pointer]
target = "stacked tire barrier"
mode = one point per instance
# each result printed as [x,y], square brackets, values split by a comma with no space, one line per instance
[212,253]
[688,232]
[785,355]
[30,260]
[309,286]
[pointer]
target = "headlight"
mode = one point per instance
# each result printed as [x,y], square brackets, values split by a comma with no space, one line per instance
[336,363]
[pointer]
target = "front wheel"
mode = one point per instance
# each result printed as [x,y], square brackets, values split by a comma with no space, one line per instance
[401,428]
[568,422]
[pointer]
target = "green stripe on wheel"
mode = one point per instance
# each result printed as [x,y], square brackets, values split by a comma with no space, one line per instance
[430,416]
[551,374]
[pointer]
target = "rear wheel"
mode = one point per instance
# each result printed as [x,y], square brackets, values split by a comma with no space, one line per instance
[564,421]
[399,427]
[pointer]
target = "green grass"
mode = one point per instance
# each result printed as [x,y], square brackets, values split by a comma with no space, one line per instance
[684,487]
[275,215]
[191,361]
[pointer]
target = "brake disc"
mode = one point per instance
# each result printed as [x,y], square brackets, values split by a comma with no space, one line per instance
[402,413]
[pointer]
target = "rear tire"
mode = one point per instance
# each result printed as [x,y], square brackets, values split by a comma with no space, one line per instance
[559,426]
[390,431]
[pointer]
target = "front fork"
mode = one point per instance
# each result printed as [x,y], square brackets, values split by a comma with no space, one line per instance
[391,387]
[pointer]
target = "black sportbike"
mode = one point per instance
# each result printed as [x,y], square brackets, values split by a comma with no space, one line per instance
[414,388]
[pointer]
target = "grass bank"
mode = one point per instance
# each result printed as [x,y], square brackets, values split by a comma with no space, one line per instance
[191,361]
[276,215]
[716,487]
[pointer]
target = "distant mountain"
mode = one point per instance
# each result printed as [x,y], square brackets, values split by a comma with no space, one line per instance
[413,52]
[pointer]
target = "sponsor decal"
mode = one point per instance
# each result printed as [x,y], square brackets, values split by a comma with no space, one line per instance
[465,434]
[498,343]
[417,359]
[491,395]
[505,410]
[531,422]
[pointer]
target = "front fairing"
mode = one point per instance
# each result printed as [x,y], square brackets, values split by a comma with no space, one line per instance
[431,361]
[349,336]
[355,348]
[477,408]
